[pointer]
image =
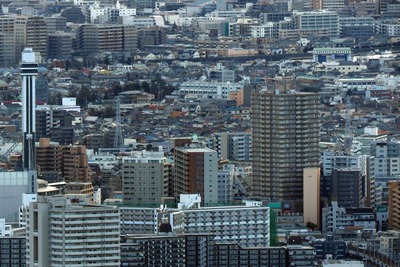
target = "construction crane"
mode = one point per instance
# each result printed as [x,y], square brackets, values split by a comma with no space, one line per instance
[8,152]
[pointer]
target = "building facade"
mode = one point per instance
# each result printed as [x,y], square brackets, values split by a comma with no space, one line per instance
[146,177]
[93,38]
[235,146]
[249,226]
[394,205]
[63,232]
[285,141]
[196,172]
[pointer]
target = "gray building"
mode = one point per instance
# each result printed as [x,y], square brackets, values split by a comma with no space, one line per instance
[233,255]
[222,75]
[285,141]
[167,249]
[146,177]
[12,251]
[235,146]
[59,45]
[66,232]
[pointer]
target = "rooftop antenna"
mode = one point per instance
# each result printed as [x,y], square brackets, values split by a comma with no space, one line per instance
[118,141]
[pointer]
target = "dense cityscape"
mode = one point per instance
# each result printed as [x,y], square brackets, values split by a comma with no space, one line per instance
[200,133]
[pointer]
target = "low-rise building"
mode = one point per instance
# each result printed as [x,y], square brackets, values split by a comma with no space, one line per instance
[335,218]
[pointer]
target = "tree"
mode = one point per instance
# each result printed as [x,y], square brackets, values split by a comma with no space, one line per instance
[312,226]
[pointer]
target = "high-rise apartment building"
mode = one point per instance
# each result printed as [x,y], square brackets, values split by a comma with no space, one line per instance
[394,205]
[285,141]
[31,31]
[384,166]
[59,45]
[196,172]
[75,164]
[49,161]
[234,146]
[63,232]
[7,51]
[248,223]
[347,187]
[93,38]
[7,42]
[146,177]
[70,161]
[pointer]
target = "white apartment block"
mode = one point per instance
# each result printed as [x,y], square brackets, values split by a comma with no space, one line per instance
[225,183]
[105,161]
[62,232]
[228,14]
[109,13]
[145,177]
[91,2]
[332,161]
[335,217]
[317,21]
[359,84]
[139,220]
[389,28]
[143,22]
[384,166]
[247,225]
[214,90]
[268,30]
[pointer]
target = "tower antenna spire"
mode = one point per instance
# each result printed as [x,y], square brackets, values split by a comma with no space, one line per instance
[118,141]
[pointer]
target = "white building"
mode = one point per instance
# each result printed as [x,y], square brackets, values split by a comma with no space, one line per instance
[359,84]
[389,28]
[214,90]
[225,183]
[247,224]
[62,232]
[143,22]
[105,161]
[268,30]
[321,21]
[334,218]
[102,14]
[332,160]
[139,220]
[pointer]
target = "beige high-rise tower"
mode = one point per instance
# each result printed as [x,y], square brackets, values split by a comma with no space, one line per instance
[285,141]
[394,205]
